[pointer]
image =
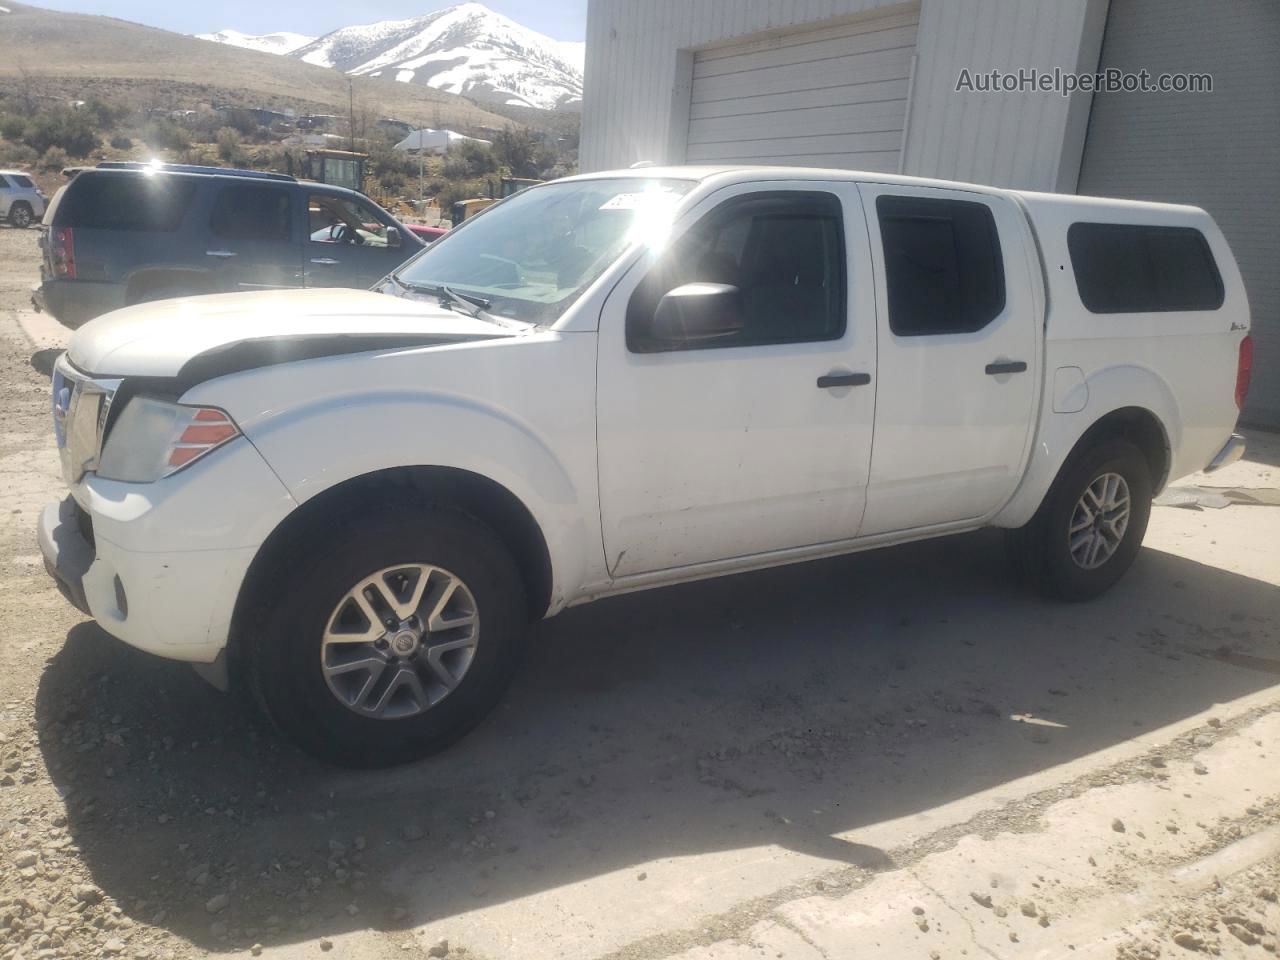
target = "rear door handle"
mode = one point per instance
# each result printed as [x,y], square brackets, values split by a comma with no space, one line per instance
[843,380]
[219,253]
[1006,366]
[325,261]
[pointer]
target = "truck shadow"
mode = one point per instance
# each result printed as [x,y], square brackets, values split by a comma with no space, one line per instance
[791,708]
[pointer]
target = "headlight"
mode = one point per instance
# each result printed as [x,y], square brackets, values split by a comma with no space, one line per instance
[153,438]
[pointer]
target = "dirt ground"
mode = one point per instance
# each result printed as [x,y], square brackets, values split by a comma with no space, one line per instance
[898,754]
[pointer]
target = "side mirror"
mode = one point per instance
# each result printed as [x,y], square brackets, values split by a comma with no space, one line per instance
[393,237]
[697,312]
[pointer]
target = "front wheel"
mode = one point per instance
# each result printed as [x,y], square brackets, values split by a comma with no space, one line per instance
[391,636]
[1087,533]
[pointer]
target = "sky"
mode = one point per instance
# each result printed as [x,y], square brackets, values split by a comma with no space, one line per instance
[559,19]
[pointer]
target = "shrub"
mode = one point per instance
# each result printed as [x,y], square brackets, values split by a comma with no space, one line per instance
[447,192]
[55,158]
[470,159]
[516,150]
[106,115]
[120,142]
[17,154]
[12,127]
[229,145]
[71,130]
[169,136]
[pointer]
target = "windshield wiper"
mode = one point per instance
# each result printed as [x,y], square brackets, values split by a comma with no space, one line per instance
[473,306]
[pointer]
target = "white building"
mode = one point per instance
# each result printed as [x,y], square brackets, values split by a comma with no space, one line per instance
[872,85]
[434,141]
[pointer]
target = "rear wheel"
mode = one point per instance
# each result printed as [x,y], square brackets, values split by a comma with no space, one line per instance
[20,215]
[1089,529]
[390,636]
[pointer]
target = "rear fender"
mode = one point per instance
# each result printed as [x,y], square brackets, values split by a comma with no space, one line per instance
[1109,389]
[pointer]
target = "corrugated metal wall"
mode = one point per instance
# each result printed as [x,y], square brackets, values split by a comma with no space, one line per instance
[1220,150]
[1028,140]
[639,79]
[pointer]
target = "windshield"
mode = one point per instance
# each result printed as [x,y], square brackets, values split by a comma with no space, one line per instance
[530,256]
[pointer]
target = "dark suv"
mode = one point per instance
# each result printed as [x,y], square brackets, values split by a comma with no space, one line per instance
[120,234]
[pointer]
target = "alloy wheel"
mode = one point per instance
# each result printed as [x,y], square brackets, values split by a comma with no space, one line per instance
[1099,521]
[400,641]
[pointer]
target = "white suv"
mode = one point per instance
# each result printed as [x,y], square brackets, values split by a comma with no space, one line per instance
[21,202]
[355,501]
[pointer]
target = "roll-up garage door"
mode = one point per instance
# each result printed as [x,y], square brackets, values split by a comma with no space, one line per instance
[835,96]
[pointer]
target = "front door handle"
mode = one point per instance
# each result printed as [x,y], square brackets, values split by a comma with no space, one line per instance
[1006,366]
[325,261]
[843,380]
[219,253]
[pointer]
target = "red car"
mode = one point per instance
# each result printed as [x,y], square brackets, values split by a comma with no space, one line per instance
[429,234]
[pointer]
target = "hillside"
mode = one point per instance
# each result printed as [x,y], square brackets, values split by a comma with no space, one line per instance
[78,55]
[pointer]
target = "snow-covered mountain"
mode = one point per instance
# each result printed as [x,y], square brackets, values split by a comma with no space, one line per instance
[282,42]
[466,49]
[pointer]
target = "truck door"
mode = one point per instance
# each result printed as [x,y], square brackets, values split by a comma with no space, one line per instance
[251,244]
[959,372]
[756,436]
[349,242]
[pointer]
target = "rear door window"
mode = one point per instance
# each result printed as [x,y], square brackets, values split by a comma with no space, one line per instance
[251,212]
[125,201]
[943,266]
[24,182]
[3,182]
[1138,268]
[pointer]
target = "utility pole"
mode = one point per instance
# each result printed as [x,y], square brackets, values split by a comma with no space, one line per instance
[351,116]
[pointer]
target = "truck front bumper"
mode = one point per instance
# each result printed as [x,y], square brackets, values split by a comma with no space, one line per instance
[67,554]
[173,603]
[160,565]
[1231,451]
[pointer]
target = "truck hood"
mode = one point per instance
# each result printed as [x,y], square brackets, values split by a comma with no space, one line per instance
[196,338]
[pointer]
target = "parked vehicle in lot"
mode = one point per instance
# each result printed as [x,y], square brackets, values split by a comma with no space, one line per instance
[427,234]
[21,202]
[120,234]
[354,502]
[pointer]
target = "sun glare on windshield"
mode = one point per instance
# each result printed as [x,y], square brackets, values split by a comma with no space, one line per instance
[533,255]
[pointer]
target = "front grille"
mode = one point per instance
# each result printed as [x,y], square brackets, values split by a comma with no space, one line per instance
[80,409]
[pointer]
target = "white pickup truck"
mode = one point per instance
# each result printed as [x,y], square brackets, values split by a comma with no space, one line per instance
[354,502]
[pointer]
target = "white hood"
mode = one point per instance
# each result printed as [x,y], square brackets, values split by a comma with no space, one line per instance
[156,339]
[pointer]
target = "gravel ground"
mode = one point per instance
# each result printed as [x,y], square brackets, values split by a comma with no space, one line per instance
[722,769]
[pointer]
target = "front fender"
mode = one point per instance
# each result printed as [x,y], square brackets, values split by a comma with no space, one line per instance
[1108,390]
[520,414]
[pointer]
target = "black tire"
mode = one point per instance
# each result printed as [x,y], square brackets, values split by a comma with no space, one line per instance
[21,215]
[284,655]
[1041,551]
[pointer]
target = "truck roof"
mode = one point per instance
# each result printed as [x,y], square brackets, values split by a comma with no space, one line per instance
[736,173]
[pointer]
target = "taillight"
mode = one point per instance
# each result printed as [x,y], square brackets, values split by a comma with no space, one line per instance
[1244,370]
[208,428]
[62,252]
